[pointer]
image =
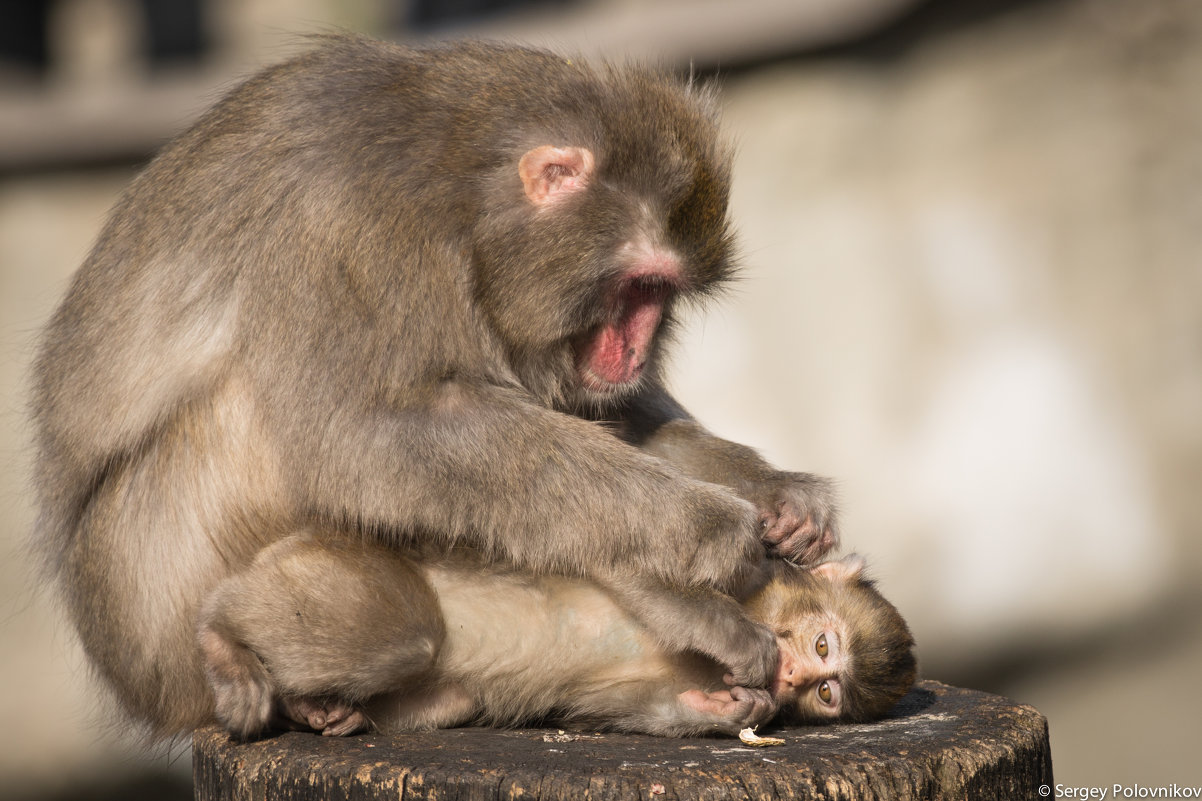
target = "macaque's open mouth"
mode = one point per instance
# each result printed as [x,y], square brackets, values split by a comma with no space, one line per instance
[617,353]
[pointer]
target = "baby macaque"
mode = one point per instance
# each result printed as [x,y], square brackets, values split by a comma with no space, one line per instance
[462,643]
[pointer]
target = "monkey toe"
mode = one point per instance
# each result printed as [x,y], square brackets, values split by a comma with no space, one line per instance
[330,716]
[346,720]
[294,712]
[305,711]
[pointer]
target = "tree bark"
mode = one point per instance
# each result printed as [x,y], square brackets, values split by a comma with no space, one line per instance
[941,742]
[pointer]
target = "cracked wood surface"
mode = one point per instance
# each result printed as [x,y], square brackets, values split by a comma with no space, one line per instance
[941,742]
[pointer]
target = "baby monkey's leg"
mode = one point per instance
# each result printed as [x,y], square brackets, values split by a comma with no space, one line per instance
[313,627]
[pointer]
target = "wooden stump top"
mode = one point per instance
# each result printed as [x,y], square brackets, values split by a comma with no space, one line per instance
[941,742]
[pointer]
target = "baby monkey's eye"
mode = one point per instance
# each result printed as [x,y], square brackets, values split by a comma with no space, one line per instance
[820,645]
[824,692]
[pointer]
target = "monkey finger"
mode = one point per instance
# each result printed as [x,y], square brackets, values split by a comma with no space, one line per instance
[775,528]
[751,694]
[755,706]
[809,543]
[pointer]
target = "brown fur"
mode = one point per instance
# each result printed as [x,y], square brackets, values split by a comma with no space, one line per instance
[331,303]
[882,667]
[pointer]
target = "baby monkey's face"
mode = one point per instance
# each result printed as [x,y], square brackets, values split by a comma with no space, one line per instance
[845,652]
[813,668]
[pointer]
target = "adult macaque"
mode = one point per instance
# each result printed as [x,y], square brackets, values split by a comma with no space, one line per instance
[418,295]
[446,642]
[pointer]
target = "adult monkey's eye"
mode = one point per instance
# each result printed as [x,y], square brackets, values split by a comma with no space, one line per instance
[820,646]
[824,692]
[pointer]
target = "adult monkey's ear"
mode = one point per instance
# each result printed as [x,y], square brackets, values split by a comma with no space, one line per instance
[550,173]
[845,569]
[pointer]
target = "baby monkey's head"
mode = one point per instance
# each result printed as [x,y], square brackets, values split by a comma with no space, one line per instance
[845,652]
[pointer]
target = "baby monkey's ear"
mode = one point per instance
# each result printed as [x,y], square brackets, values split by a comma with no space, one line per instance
[846,569]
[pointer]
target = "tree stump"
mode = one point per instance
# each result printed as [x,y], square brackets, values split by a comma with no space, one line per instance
[941,742]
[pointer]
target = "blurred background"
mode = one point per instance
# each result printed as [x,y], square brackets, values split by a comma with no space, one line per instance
[973,246]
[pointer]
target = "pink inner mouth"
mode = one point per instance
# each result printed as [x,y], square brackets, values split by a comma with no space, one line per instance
[619,351]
